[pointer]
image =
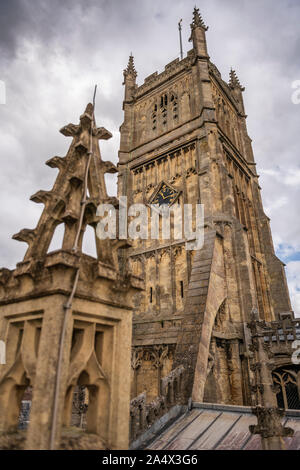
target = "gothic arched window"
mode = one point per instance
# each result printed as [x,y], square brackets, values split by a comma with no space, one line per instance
[164,108]
[174,107]
[287,380]
[154,117]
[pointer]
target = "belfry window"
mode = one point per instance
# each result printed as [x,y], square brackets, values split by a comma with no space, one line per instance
[181,289]
[174,107]
[154,117]
[287,381]
[164,101]
[164,109]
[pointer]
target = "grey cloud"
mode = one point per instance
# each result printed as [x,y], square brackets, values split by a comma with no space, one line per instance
[12,20]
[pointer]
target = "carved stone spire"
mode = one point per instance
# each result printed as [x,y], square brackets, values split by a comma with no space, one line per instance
[130,75]
[62,204]
[198,20]
[198,35]
[130,69]
[234,81]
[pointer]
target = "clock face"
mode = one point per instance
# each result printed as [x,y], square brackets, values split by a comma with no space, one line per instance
[165,195]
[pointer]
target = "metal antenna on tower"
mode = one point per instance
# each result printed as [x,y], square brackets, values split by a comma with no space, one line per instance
[180,39]
[94,103]
[94,97]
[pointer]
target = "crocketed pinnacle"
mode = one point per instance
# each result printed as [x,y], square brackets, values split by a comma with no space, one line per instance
[198,20]
[234,80]
[130,70]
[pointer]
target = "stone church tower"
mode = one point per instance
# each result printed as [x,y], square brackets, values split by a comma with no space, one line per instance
[185,133]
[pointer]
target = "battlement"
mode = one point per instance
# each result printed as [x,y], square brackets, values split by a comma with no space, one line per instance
[174,68]
[171,69]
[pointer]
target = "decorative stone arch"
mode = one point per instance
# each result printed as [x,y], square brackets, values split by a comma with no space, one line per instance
[12,388]
[86,370]
[287,382]
[19,373]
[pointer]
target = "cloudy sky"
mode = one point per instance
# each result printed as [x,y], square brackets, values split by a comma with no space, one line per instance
[53,52]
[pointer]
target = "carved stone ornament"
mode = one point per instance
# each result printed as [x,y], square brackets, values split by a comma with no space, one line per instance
[269,423]
[136,358]
[159,354]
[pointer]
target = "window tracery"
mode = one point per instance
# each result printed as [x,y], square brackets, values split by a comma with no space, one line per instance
[288,382]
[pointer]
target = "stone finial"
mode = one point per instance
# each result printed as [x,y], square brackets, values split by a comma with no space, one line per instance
[130,69]
[198,20]
[234,80]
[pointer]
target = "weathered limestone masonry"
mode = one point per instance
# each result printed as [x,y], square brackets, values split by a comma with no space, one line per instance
[96,349]
[186,128]
[265,339]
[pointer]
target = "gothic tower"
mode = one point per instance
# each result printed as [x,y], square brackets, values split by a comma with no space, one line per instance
[184,134]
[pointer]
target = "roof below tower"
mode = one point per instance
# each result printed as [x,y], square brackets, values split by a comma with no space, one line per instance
[218,427]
